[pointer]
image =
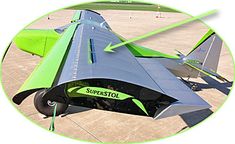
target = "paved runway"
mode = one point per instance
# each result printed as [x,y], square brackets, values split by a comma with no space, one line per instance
[104,126]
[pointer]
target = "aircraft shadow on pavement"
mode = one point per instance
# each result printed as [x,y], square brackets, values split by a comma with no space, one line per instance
[194,118]
[75,109]
[222,87]
[211,83]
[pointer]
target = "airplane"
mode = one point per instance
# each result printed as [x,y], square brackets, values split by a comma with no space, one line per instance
[75,70]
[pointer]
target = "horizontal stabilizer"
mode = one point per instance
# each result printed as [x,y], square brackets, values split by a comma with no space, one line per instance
[36,41]
[206,71]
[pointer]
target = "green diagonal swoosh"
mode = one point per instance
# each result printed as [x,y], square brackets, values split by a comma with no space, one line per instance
[110,47]
[104,93]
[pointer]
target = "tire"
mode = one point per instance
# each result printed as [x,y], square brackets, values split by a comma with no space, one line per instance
[194,87]
[47,108]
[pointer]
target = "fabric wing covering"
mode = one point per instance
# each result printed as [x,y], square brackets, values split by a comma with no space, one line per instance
[86,59]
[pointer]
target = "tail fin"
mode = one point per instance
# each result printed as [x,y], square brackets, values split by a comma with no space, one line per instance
[207,51]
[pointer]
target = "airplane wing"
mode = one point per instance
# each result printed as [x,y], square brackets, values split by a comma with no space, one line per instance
[188,101]
[41,41]
[44,74]
[79,55]
[140,51]
[204,70]
[36,41]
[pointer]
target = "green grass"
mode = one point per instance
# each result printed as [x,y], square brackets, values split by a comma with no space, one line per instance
[121,6]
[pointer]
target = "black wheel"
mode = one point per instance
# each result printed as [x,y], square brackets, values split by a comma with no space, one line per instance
[47,108]
[194,87]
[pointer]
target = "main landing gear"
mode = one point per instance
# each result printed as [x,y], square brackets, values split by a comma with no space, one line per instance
[193,86]
[47,107]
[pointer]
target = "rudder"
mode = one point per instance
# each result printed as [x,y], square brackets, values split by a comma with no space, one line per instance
[207,51]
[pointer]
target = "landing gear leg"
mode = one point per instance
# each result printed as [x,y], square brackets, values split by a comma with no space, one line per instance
[188,79]
[193,86]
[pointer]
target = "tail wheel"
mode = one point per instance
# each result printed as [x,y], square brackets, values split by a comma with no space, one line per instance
[47,108]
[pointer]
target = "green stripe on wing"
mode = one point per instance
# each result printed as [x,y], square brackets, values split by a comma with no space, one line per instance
[77,91]
[44,74]
[76,16]
[198,69]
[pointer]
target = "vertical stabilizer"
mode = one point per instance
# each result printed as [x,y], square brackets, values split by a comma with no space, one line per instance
[207,51]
